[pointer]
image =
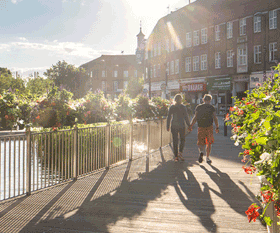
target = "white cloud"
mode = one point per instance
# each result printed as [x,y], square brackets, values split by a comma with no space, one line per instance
[16,1]
[23,39]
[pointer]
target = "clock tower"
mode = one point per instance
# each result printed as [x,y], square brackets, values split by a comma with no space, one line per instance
[140,46]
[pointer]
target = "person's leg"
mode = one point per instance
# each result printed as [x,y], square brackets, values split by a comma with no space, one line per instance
[182,139]
[208,149]
[209,142]
[201,142]
[175,141]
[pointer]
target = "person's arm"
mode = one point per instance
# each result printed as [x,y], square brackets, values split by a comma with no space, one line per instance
[194,119]
[168,119]
[216,122]
[187,120]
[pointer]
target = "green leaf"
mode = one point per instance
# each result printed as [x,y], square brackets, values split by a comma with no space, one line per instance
[261,140]
[267,220]
[266,124]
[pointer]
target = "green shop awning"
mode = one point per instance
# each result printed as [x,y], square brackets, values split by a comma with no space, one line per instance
[219,84]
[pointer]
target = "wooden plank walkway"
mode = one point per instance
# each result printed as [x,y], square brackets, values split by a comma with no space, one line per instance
[150,194]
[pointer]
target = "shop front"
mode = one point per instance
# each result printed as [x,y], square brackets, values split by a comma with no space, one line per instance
[240,84]
[160,89]
[193,89]
[220,89]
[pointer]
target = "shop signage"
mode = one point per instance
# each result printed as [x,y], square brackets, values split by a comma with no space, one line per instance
[255,79]
[194,87]
[219,84]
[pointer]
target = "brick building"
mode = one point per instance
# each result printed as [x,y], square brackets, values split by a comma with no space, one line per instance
[222,47]
[111,73]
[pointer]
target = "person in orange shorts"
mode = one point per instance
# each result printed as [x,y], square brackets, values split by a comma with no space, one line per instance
[204,115]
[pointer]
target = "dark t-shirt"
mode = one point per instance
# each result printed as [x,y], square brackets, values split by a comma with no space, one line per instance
[204,113]
[179,116]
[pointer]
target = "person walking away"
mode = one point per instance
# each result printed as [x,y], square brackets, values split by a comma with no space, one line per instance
[179,115]
[204,115]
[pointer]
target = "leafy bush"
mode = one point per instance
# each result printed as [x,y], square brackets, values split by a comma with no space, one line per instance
[256,126]
[160,106]
[123,108]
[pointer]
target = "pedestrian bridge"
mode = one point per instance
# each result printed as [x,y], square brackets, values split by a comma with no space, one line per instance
[150,193]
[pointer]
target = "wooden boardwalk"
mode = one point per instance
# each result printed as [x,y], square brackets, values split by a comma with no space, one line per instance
[150,194]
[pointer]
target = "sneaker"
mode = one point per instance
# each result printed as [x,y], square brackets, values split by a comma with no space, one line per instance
[200,158]
[181,156]
[176,159]
[208,160]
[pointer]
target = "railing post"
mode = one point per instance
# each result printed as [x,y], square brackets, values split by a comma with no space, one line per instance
[160,133]
[75,154]
[107,146]
[148,137]
[131,141]
[28,162]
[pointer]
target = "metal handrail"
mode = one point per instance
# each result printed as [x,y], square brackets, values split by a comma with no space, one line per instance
[37,160]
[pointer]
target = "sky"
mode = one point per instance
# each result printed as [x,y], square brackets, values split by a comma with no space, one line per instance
[36,34]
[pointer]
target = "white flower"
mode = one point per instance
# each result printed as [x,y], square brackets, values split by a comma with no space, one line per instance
[262,121]
[236,143]
[234,137]
[264,157]
[266,98]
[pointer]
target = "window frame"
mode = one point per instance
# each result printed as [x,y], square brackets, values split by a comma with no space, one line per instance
[203,62]
[229,30]
[188,64]
[217,33]
[196,38]
[188,40]
[242,57]
[177,66]
[125,73]
[242,27]
[272,51]
[172,68]
[218,60]
[196,63]
[273,19]
[230,58]
[257,54]
[257,23]
[204,32]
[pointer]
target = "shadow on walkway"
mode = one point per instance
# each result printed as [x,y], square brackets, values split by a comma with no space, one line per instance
[98,213]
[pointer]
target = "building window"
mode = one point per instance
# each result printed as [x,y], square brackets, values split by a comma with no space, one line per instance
[188,64]
[155,71]
[155,50]
[125,74]
[115,74]
[273,19]
[229,30]
[217,33]
[172,45]
[167,68]
[151,54]
[103,85]
[116,86]
[203,60]
[146,54]
[146,72]
[195,38]
[172,67]
[158,70]
[217,60]
[103,73]
[189,40]
[135,73]
[196,63]
[272,51]
[257,54]
[204,36]
[151,72]
[125,83]
[242,56]
[257,24]
[167,46]
[177,66]
[91,74]
[242,27]
[159,49]
[230,58]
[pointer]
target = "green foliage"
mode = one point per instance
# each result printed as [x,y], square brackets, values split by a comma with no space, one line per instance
[124,108]
[68,76]
[142,108]
[255,121]
[160,106]
[39,86]
[8,82]
[134,87]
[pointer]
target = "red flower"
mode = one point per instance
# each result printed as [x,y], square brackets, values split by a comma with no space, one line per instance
[38,117]
[241,112]
[231,109]
[247,152]
[6,117]
[249,170]
[227,117]
[243,98]
[268,196]
[252,212]
[67,113]
[54,128]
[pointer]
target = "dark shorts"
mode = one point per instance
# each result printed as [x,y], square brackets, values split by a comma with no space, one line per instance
[205,135]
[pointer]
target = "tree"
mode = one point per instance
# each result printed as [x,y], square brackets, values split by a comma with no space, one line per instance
[69,77]
[134,87]
[7,81]
[38,86]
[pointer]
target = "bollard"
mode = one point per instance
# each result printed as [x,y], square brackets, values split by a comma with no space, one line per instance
[225,126]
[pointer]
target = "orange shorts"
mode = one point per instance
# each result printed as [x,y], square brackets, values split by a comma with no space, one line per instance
[205,135]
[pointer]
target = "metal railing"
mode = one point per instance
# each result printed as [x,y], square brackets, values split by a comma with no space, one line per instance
[35,160]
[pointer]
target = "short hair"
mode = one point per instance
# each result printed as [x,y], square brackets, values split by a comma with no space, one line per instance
[207,97]
[177,98]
